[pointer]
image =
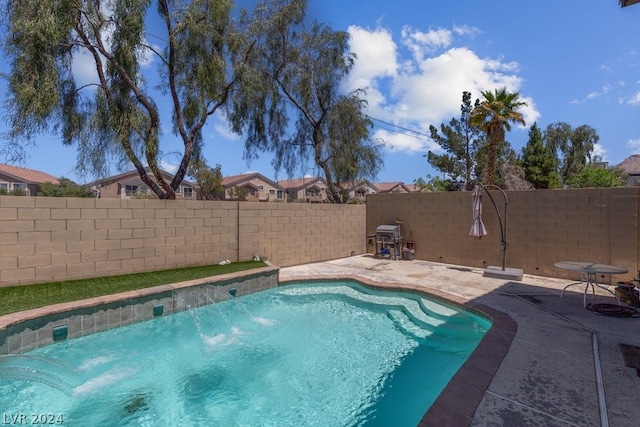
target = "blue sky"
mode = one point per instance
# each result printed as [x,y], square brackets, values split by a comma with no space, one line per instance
[571,61]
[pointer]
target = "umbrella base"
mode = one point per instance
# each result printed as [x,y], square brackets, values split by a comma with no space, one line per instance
[498,273]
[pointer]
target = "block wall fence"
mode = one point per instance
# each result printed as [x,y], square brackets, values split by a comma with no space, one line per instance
[53,239]
[50,239]
[543,227]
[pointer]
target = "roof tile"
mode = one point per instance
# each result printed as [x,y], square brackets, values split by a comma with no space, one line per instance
[28,175]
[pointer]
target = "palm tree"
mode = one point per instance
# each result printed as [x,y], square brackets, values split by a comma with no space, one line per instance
[495,115]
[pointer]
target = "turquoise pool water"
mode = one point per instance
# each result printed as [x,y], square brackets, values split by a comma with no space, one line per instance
[326,354]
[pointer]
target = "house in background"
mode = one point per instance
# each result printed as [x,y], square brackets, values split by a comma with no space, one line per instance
[630,170]
[14,178]
[309,189]
[392,187]
[129,185]
[358,190]
[253,187]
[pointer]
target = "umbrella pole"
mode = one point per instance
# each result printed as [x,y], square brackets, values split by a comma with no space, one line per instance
[503,229]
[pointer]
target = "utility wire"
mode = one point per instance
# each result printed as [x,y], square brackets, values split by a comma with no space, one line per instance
[421,138]
[400,127]
[414,133]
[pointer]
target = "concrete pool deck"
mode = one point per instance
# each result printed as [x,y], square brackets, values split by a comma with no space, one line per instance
[563,367]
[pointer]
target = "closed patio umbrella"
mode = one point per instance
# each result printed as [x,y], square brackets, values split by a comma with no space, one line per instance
[477,228]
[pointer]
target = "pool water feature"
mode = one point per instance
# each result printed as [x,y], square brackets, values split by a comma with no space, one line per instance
[321,353]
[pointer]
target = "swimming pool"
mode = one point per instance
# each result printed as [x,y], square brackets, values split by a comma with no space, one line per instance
[322,353]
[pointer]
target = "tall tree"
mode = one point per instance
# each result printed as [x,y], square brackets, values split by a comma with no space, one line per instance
[307,66]
[539,161]
[494,115]
[203,64]
[460,140]
[572,146]
[502,156]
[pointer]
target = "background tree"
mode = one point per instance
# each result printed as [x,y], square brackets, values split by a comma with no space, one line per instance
[596,176]
[420,184]
[573,147]
[494,115]
[239,194]
[14,192]
[205,62]
[434,183]
[306,67]
[539,161]
[460,141]
[64,188]
[511,175]
[209,179]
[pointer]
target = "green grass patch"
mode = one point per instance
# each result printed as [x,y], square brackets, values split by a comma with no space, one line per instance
[19,298]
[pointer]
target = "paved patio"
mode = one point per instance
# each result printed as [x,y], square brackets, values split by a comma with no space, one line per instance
[564,366]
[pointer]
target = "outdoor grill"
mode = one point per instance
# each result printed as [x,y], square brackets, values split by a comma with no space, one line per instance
[388,231]
[388,241]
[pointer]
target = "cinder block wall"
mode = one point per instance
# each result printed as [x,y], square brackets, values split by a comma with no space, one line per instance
[50,239]
[299,233]
[543,227]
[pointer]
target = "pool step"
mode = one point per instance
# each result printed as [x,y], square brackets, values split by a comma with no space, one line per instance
[38,369]
[428,315]
[441,341]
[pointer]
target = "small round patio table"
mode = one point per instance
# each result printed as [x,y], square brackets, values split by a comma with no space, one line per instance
[588,275]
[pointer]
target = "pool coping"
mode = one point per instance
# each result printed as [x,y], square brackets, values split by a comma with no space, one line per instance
[20,316]
[458,402]
[28,326]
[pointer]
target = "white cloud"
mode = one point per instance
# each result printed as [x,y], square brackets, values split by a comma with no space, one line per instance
[421,44]
[466,30]
[376,53]
[635,145]
[425,88]
[169,167]
[605,90]
[530,113]
[222,130]
[634,100]
[404,142]
[600,151]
